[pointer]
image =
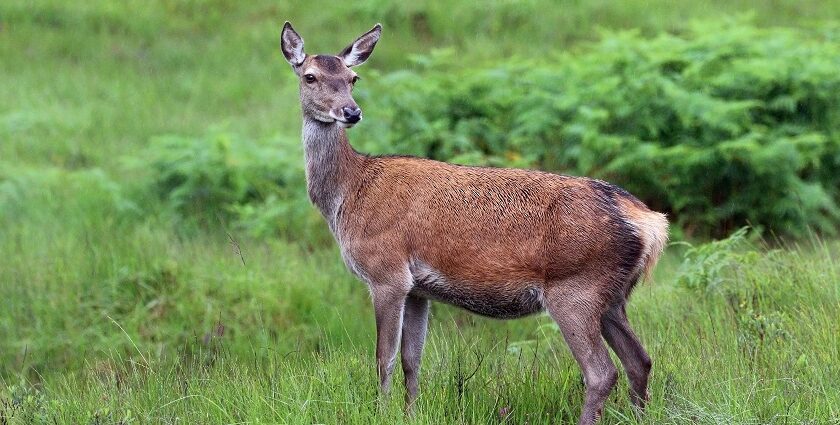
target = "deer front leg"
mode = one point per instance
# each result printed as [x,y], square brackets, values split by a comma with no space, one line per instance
[388,305]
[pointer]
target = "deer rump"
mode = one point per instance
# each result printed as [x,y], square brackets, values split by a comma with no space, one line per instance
[492,240]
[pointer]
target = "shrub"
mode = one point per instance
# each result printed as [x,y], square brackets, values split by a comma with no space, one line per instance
[261,190]
[722,126]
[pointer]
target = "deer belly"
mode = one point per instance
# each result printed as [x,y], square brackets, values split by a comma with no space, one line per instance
[498,300]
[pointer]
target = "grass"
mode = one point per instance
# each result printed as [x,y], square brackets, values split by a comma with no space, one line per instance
[116,311]
[197,337]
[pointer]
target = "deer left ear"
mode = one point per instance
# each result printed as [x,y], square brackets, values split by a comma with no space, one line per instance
[358,51]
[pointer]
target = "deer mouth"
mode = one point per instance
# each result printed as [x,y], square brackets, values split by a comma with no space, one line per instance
[345,124]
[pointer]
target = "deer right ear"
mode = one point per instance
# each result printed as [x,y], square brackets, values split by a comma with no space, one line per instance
[292,45]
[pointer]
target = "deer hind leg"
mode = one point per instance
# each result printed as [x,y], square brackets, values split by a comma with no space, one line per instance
[414,326]
[578,314]
[616,330]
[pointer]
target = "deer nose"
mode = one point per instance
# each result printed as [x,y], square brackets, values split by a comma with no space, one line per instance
[352,115]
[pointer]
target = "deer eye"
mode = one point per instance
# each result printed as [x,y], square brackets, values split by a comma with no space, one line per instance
[309,78]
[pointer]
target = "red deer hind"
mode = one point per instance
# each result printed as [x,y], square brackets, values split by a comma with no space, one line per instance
[499,242]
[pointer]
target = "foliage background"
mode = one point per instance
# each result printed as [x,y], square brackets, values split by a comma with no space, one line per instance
[160,262]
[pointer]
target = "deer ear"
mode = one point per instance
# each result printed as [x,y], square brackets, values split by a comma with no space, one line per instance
[358,51]
[292,45]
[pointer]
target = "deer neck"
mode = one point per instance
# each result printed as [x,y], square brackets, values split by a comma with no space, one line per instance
[332,166]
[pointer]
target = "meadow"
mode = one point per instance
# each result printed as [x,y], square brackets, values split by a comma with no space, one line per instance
[160,262]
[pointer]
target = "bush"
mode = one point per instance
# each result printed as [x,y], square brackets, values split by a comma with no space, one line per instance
[722,126]
[218,177]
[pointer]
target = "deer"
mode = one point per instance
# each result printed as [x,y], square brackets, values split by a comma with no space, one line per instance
[499,242]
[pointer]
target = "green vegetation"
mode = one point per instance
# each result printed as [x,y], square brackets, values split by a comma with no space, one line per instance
[160,263]
[741,336]
[723,125]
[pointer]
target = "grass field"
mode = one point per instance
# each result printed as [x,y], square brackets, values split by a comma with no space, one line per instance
[114,309]
[184,333]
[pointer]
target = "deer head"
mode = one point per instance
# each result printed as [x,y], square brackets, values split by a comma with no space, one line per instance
[326,81]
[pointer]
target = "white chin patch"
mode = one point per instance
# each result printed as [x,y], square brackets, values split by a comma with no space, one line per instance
[344,124]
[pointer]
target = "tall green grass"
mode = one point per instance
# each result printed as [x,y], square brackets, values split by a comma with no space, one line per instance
[114,308]
[188,333]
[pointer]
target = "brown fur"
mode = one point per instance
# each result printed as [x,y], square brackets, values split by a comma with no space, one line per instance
[481,226]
